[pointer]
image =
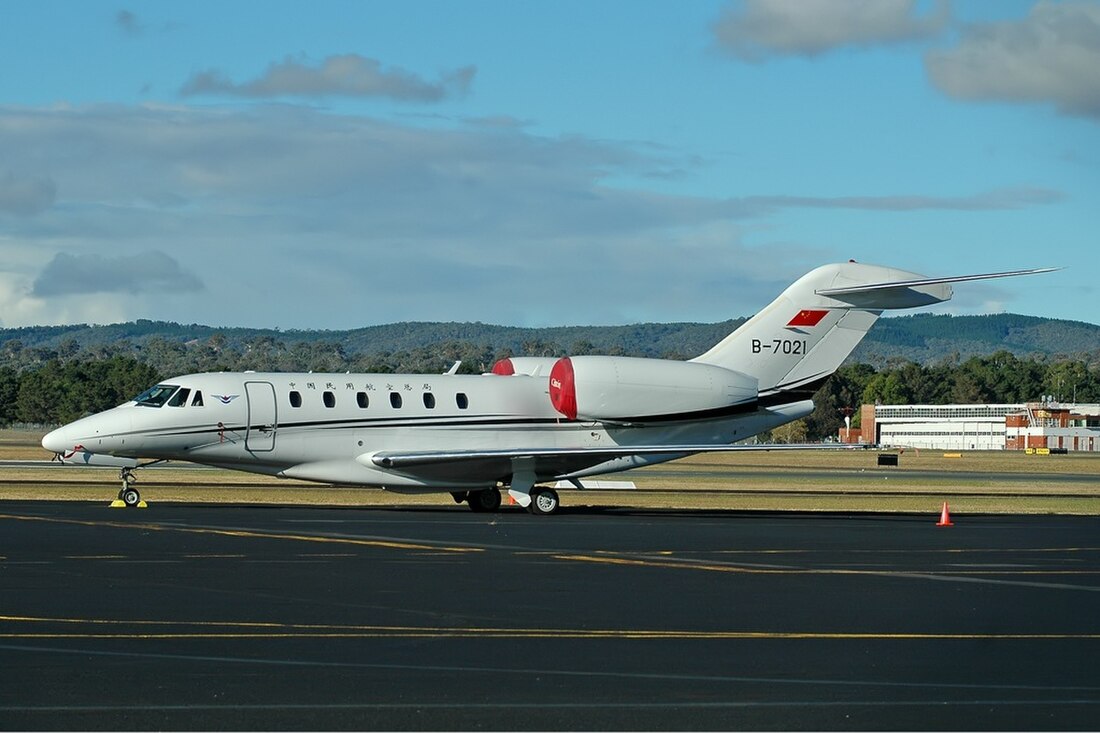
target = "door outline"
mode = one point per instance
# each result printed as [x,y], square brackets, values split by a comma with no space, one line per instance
[263,417]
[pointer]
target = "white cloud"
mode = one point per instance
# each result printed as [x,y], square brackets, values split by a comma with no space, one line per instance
[19,308]
[1006,198]
[755,30]
[341,75]
[1051,56]
[298,218]
[86,273]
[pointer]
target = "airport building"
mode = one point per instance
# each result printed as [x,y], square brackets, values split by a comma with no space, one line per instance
[1031,425]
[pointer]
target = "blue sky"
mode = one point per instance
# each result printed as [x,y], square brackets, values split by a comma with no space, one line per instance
[350,163]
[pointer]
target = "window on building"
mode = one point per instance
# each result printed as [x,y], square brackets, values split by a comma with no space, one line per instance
[295,399]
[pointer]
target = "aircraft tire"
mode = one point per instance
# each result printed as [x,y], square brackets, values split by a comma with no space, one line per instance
[543,502]
[485,500]
[130,497]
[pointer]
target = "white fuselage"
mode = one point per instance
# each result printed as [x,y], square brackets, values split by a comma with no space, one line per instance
[325,427]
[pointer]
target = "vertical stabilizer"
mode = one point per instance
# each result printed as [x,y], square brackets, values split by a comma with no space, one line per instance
[804,335]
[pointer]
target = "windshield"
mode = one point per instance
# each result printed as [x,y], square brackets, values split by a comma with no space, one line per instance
[156,396]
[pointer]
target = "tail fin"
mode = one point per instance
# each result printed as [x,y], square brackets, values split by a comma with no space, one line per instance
[805,334]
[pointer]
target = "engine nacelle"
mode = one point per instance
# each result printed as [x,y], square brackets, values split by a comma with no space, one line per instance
[622,388]
[531,366]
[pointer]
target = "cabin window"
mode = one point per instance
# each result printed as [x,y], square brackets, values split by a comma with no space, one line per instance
[362,399]
[330,399]
[295,399]
[395,400]
[179,399]
[197,401]
[462,401]
[429,400]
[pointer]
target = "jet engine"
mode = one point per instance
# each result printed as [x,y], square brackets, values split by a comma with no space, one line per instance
[621,388]
[531,366]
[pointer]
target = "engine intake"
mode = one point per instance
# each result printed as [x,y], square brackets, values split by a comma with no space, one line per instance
[531,366]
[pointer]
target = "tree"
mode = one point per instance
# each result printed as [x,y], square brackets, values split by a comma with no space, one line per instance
[792,432]
[844,389]
[42,396]
[9,391]
[887,388]
[1071,381]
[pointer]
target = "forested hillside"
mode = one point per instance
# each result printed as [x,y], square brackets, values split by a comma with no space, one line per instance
[924,338]
[55,374]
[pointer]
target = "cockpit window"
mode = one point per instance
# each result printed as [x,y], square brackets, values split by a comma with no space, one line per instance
[156,396]
[179,399]
[197,402]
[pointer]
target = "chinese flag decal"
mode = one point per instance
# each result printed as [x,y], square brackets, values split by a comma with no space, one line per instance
[808,318]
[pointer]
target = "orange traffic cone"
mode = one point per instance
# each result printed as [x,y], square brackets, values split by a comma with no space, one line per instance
[945,518]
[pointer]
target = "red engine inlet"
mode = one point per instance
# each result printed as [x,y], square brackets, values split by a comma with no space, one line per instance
[563,391]
[504,368]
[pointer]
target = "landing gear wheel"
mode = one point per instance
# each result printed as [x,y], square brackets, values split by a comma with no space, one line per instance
[486,500]
[544,501]
[127,494]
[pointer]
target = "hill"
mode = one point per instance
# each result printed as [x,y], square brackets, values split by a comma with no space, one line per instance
[923,338]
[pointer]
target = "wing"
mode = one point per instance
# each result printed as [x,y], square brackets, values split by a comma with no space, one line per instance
[548,463]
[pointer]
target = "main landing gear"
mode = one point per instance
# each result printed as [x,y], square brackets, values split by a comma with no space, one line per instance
[539,500]
[485,500]
[543,501]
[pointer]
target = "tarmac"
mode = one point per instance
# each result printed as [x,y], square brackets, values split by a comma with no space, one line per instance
[243,617]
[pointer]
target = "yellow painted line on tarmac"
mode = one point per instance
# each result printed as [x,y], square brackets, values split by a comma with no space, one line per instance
[906,551]
[719,568]
[251,534]
[610,560]
[214,556]
[276,630]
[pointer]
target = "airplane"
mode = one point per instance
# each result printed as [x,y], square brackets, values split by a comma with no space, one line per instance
[529,421]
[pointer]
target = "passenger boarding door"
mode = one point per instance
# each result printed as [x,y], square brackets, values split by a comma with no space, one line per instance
[262,417]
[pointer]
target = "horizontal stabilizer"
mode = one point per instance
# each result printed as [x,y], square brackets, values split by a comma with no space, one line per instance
[882,286]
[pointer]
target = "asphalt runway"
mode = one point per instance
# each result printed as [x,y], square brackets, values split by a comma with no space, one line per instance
[244,617]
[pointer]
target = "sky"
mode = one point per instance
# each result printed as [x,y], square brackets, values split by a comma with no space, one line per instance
[334,165]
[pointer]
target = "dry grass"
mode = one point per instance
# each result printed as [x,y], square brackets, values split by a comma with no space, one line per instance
[976,482]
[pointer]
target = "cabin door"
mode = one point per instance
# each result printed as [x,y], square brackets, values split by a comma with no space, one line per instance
[262,417]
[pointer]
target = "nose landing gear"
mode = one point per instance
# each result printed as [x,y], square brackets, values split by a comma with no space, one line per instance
[128,495]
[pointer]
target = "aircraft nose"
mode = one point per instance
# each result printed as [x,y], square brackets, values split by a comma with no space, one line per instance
[57,441]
